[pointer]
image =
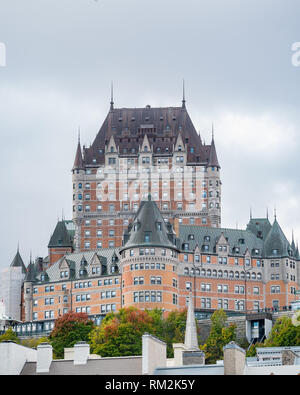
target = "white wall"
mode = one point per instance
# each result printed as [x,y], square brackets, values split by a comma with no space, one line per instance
[276,370]
[11,280]
[13,357]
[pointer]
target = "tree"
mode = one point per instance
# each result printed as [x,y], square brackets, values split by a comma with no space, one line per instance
[120,334]
[68,330]
[9,335]
[34,341]
[220,335]
[283,334]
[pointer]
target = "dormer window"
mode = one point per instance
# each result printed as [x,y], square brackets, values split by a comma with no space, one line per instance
[179,148]
[147,237]
[158,225]
[275,252]
[64,274]
[112,149]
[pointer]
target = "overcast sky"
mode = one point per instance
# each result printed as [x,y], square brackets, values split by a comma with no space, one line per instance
[61,55]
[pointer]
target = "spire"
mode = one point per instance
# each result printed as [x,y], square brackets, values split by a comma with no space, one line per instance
[78,163]
[213,159]
[183,95]
[112,96]
[293,245]
[18,261]
[191,339]
[250,212]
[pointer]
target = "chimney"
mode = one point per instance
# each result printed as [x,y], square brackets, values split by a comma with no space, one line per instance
[81,353]
[44,358]
[234,360]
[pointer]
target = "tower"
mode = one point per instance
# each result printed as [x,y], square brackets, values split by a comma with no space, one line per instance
[137,151]
[149,261]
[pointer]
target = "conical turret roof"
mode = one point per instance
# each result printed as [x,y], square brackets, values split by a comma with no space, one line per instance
[148,228]
[276,244]
[18,262]
[78,163]
[60,237]
[213,159]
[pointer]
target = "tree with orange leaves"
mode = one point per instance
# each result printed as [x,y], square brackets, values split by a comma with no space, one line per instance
[68,330]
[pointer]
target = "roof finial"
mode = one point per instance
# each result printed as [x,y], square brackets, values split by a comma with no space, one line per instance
[212,131]
[275,213]
[250,212]
[79,134]
[112,96]
[267,213]
[183,94]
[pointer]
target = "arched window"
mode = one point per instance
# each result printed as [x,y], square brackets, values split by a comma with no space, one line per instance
[231,274]
[225,273]
[253,276]
[220,273]
[186,271]
[237,275]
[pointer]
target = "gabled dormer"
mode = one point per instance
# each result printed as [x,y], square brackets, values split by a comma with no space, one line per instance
[247,258]
[111,152]
[197,255]
[95,264]
[145,154]
[64,268]
[179,145]
[179,155]
[222,249]
[145,147]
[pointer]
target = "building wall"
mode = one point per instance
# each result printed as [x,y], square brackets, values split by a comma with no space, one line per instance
[11,280]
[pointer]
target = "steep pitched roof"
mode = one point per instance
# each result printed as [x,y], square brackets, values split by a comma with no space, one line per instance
[31,273]
[78,163]
[276,240]
[239,241]
[61,236]
[260,227]
[148,228]
[161,124]
[213,159]
[18,262]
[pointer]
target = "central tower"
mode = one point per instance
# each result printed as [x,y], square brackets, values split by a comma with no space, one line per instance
[138,151]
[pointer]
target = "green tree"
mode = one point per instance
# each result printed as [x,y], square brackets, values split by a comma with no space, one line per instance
[283,334]
[220,335]
[34,341]
[120,333]
[9,335]
[68,330]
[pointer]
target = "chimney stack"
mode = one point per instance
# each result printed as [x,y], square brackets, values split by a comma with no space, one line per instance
[81,353]
[44,358]
[234,360]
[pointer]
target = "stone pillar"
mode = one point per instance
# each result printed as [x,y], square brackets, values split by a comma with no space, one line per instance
[234,359]
[44,358]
